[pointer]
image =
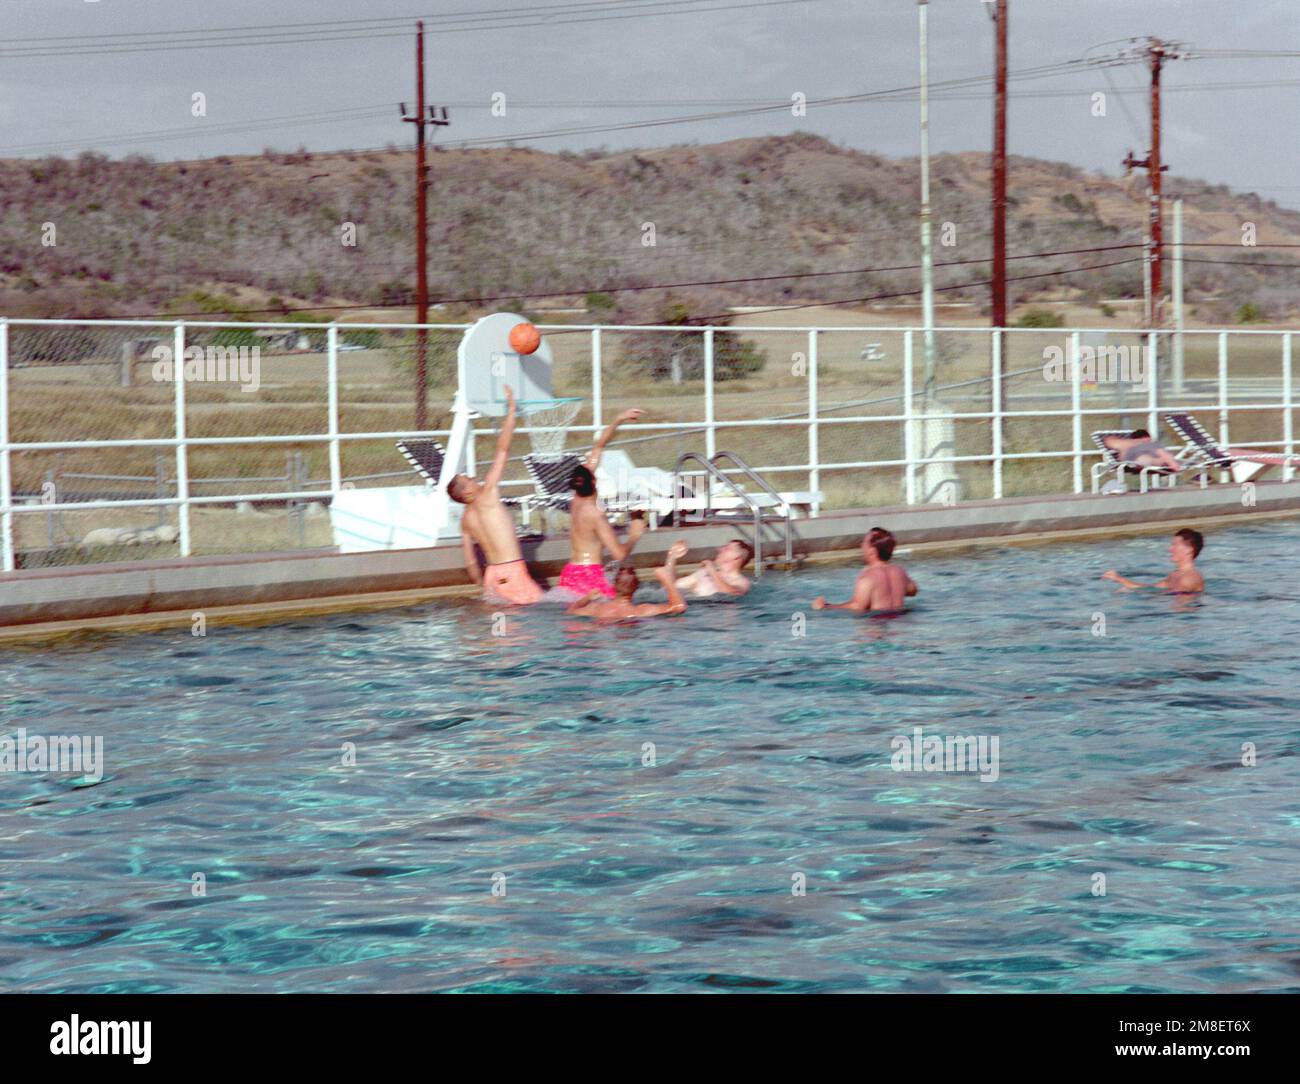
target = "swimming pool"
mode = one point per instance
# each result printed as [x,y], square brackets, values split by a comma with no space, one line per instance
[649,794]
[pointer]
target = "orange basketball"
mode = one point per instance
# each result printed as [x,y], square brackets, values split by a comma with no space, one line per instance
[525,338]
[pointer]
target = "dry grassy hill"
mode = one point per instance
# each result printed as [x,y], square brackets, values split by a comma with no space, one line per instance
[136,237]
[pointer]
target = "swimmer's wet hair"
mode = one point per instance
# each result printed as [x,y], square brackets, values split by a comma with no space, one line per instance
[582,481]
[749,550]
[883,541]
[1139,434]
[624,573]
[453,491]
[1193,538]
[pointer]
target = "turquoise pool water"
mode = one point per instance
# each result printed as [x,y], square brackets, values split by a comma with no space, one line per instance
[522,751]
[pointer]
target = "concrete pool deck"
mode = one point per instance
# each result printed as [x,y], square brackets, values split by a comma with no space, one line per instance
[257,588]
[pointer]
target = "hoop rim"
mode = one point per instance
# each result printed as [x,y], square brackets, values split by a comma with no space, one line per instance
[548,402]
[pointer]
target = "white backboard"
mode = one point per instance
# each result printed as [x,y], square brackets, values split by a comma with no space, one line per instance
[487,366]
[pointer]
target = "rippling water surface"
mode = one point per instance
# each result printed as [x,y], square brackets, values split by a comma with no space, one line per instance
[529,755]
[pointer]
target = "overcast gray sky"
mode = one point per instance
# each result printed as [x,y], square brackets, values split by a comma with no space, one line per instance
[563,74]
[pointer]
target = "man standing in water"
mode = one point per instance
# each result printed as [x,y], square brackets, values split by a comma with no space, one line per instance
[487,522]
[589,531]
[621,607]
[1186,578]
[880,586]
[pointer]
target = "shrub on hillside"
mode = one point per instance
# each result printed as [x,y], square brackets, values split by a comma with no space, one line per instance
[1040,318]
[679,356]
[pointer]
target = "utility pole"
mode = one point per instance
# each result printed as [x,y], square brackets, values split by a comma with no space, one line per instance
[999,15]
[927,254]
[420,120]
[1157,52]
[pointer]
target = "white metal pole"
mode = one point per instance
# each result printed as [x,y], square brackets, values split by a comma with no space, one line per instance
[1223,388]
[1178,302]
[710,436]
[814,451]
[1076,406]
[182,460]
[6,482]
[1288,423]
[996,354]
[597,409]
[1153,383]
[909,425]
[1147,310]
[927,258]
[332,380]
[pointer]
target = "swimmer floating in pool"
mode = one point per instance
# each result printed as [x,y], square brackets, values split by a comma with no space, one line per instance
[589,532]
[621,607]
[1186,578]
[880,586]
[487,522]
[724,574]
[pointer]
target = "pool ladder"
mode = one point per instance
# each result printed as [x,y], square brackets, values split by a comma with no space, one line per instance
[712,472]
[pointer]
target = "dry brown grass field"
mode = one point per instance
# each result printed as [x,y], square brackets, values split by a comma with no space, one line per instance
[71,402]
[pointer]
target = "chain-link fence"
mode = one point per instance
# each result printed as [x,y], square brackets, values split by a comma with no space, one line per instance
[106,455]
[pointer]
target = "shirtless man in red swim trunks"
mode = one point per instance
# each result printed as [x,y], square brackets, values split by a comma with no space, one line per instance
[590,534]
[623,607]
[488,522]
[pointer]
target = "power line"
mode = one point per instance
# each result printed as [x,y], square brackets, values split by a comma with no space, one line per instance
[914,293]
[516,294]
[466,23]
[1242,263]
[768,106]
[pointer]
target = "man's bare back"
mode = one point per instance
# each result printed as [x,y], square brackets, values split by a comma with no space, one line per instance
[881,586]
[886,586]
[590,534]
[488,522]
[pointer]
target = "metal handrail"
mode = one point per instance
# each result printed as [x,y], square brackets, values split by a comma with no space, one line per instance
[767,488]
[711,471]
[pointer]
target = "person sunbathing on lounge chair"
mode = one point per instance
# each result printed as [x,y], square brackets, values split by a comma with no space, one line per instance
[1141,450]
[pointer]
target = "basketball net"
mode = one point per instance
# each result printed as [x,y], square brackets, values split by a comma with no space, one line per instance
[549,421]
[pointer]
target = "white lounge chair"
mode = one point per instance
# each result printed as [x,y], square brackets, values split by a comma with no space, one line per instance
[1242,464]
[1147,476]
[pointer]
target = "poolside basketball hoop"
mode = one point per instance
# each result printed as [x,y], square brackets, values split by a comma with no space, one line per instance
[497,353]
[548,422]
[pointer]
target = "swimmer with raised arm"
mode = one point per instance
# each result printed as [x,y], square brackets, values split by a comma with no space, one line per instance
[724,574]
[1186,578]
[488,522]
[881,586]
[590,534]
[622,607]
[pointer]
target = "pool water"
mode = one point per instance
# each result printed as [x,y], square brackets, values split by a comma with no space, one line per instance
[548,805]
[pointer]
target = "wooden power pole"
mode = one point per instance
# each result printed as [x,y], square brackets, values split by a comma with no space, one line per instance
[420,120]
[1157,53]
[1000,168]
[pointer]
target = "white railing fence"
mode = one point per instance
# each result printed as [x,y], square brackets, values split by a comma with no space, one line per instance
[270,420]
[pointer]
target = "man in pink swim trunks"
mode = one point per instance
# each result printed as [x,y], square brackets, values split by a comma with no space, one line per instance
[487,522]
[589,531]
[623,607]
